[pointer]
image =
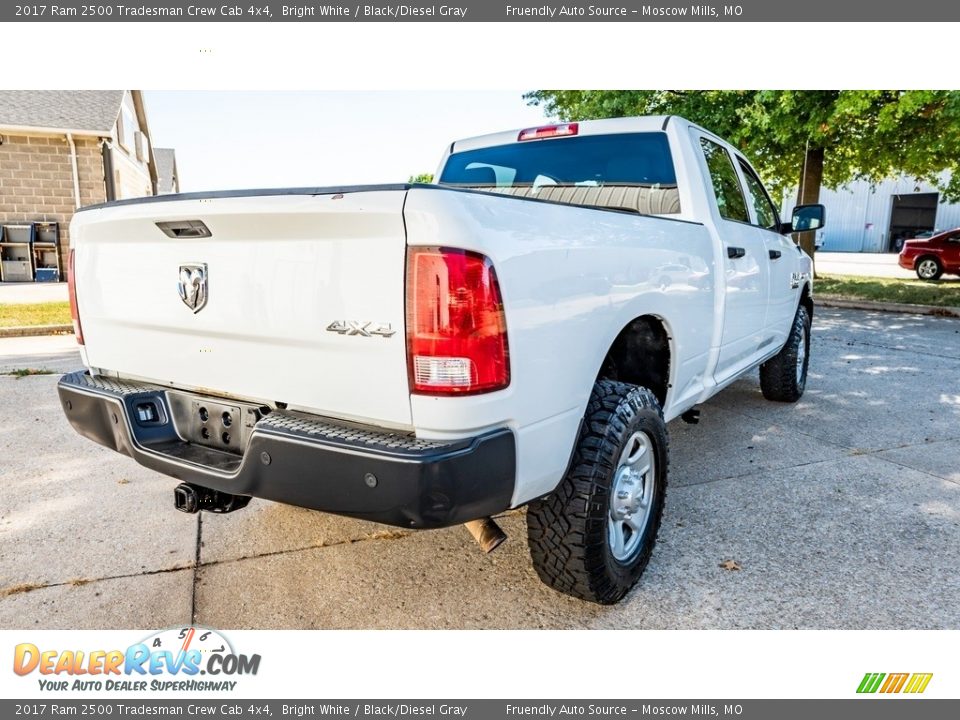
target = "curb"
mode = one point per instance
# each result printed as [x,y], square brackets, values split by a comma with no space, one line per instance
[950,312]
[35,330]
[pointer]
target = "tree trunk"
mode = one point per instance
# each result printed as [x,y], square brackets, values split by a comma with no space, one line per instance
[808,193]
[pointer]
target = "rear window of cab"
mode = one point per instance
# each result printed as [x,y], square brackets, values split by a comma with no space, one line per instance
[623,159]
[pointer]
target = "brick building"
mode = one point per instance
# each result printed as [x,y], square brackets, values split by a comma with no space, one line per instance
[63,149]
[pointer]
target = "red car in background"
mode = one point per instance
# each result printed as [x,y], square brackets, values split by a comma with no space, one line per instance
[932,257]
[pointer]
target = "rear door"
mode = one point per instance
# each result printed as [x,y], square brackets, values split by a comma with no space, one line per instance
[297,298]
[745,264]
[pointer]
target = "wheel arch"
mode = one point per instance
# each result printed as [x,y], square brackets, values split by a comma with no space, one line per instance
[926,256]
[806,299]
[641,354]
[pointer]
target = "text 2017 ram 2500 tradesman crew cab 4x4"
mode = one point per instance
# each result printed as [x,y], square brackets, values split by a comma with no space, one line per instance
[427,355]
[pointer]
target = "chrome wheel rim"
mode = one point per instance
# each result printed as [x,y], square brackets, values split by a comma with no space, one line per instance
[631,497]
[801,355]
[927,269]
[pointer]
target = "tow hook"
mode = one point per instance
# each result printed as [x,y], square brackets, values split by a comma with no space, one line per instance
[691,416]
[487,533]
[194,498]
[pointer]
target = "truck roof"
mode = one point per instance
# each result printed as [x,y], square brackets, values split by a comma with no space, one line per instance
[609,126]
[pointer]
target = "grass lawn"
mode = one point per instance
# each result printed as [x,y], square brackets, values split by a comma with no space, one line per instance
[48,313]
[915,292]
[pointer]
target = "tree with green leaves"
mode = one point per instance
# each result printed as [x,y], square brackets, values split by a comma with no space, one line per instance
[804,138]
[426,178]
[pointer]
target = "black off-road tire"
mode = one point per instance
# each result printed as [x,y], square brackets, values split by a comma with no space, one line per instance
[567,531]
[779,379]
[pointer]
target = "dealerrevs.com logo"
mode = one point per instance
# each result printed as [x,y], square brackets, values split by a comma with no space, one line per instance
[173,659]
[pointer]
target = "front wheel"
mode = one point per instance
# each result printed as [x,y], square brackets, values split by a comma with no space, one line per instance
[783,377]
[592,537]
[929,268]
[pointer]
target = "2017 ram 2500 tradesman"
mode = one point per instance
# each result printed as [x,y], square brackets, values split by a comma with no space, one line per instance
[426,355]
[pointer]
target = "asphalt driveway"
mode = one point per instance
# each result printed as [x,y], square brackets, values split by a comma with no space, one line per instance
[842,511]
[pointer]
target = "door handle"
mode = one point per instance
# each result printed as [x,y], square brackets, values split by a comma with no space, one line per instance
[775,254]
[735,252]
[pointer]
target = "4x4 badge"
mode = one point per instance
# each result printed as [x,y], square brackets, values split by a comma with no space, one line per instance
[193,285]
[364,329]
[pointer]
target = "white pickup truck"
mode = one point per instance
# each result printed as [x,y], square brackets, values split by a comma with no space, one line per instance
[426,355]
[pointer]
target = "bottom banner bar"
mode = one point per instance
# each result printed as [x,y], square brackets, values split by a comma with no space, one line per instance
[868,708]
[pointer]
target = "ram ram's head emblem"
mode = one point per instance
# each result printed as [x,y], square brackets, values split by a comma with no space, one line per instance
[193,285]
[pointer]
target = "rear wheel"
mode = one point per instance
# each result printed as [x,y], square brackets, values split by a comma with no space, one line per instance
[929,268]
[592,537]
[783,377]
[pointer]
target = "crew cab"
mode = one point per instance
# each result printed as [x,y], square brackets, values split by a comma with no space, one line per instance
[424,355]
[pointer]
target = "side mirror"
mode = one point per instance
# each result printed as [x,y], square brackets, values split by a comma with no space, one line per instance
[808,217]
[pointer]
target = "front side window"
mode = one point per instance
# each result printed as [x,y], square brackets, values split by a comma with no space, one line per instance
[762,206]
[726,184]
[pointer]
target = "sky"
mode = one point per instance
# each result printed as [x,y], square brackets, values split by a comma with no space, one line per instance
[229,140]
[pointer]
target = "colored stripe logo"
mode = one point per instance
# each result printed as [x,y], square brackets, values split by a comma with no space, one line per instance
[912,683]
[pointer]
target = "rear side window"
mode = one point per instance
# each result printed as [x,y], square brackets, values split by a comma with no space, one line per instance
[627,171]
[726,184]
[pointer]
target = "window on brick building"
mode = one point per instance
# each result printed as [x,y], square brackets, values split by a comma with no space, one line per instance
[127,131]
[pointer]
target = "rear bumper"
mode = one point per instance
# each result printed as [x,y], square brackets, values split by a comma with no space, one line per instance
[303,460]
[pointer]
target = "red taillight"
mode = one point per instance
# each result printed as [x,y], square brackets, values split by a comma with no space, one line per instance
[549,131]
[456,330]
[72,290]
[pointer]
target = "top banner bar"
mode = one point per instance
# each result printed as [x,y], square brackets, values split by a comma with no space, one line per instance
[487,11]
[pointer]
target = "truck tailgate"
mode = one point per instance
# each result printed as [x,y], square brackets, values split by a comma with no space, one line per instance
[280,270]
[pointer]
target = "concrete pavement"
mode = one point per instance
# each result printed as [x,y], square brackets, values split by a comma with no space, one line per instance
[26,293]
[51,352]
[882,265]
[843,511]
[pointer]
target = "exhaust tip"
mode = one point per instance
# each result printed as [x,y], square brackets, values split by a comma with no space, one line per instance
[487,533]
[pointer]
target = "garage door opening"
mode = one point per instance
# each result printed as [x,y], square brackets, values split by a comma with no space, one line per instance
[911,216]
